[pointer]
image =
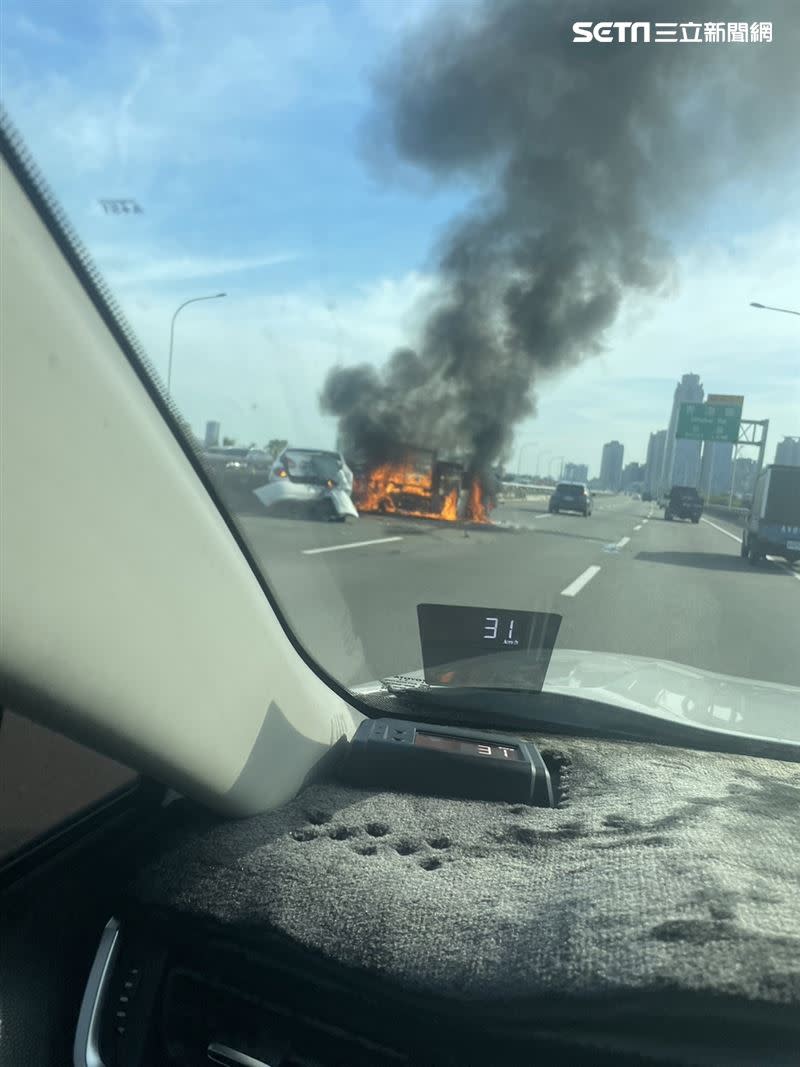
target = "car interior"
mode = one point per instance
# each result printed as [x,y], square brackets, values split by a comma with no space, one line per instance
[215,853]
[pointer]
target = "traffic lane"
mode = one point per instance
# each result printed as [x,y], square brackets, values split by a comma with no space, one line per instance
[523,512]
[355,609]
[682,592]
[615,519]
[304,533]
[279,538]
[340,603]
[661,589]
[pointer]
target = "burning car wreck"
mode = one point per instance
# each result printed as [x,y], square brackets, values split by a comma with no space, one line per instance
[417,482]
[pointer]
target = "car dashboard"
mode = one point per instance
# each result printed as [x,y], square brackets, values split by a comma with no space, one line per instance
[649,917]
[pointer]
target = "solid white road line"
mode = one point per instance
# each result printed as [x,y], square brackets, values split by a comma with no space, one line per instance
[352,544]
[638,527]
[575,587]
[733,536]
[624,541]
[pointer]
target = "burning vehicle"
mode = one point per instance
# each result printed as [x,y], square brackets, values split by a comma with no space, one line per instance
[421,484]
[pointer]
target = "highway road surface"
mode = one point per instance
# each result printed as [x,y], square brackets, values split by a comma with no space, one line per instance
[624,580]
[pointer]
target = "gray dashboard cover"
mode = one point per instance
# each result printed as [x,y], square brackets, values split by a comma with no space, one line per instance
[666,869]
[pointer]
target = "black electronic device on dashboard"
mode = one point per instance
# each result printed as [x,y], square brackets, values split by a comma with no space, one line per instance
[414,757]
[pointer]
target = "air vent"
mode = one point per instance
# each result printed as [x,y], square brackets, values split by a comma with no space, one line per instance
[200,1012]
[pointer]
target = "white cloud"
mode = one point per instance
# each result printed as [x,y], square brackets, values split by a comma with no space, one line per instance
[257,362]
[176,81]
[707,327]
[136,270]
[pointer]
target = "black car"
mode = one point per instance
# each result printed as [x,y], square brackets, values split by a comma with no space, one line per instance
[683,502]
[571,496]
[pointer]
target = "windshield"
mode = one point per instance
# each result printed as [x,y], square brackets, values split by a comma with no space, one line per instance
[453,258]
[311,466]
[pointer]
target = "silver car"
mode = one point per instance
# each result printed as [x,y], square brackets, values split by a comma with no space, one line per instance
[310,480]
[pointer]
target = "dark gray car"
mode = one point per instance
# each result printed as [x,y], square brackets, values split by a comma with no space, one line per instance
[571,496]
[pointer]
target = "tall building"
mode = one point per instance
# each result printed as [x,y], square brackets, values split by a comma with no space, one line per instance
[654,463]
[211,439]
[716,468]
[682,458]
[576,472]
[788,452]
[632,476]
[744,476]
[611,466]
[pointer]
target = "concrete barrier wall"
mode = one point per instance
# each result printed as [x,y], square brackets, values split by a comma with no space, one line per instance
[733,515]
[507,495]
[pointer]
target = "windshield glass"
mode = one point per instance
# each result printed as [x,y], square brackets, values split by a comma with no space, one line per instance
[451,257]
[311,466]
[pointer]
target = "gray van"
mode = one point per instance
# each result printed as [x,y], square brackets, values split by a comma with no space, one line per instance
[772,527]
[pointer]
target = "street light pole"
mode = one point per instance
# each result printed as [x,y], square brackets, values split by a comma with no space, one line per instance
[522,448]
[768,307]
[555,459]
[193,300]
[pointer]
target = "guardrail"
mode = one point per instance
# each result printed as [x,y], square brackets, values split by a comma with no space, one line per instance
[522,491]
[529,486]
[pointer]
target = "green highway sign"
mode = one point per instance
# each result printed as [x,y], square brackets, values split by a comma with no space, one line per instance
[717,420]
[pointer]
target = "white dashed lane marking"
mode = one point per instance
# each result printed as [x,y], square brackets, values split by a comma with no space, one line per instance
[352,544]
[575,587]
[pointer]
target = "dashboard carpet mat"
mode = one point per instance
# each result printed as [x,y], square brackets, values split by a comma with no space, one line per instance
[667,869]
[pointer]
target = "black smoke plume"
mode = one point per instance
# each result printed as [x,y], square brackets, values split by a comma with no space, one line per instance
[587,158]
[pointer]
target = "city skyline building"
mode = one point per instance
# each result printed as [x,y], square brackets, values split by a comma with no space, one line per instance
[681,464]
[654,462]
[788,452]
[716,468]
[611,465]
[576,472]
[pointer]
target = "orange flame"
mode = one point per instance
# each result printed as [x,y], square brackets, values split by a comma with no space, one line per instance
[450,509]
[404,490]
[476,509]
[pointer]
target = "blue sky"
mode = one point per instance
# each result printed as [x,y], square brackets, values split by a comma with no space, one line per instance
[239,128]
